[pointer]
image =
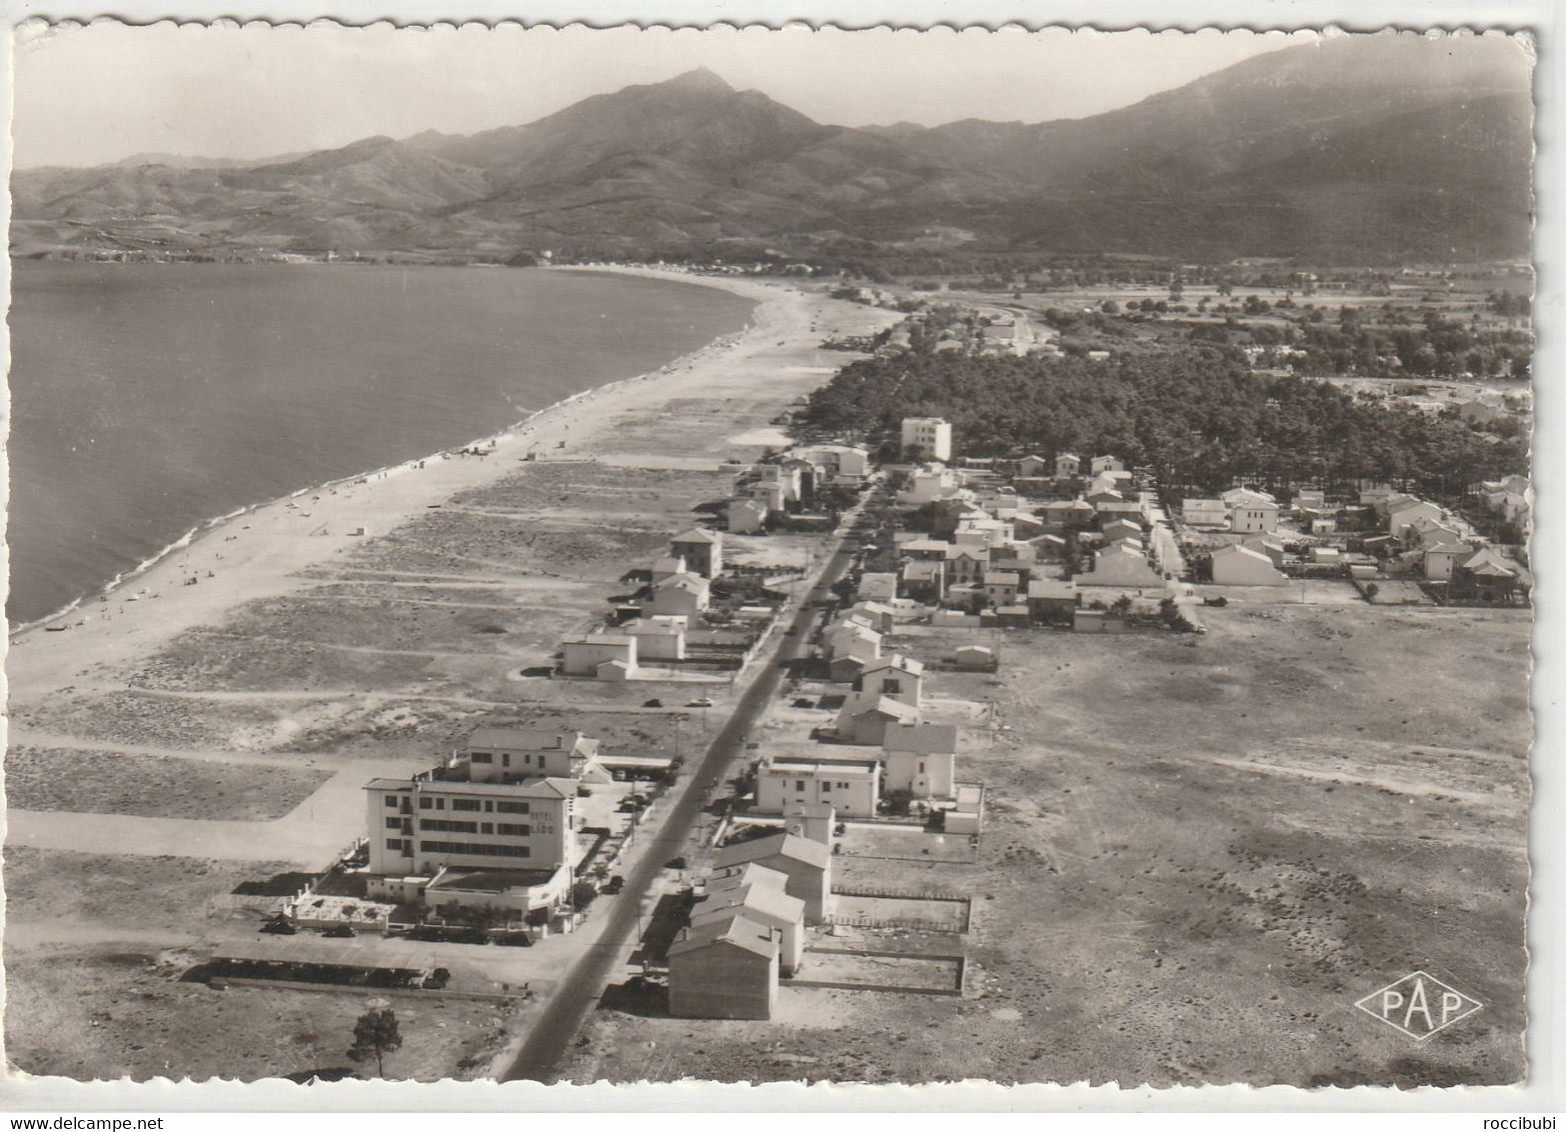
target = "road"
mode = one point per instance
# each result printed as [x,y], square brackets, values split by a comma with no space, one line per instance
[577,993]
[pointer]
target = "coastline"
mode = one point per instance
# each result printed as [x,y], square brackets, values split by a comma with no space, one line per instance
[256,551]
[189,539]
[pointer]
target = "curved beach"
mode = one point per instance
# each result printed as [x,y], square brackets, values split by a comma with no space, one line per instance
[256,553]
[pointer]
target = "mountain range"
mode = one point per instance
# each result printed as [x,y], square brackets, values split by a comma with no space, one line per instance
[1350,149]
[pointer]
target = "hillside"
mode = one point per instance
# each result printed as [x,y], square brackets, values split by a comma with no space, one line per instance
[1373,148]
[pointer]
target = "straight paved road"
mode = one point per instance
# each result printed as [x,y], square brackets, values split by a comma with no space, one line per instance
[565,1011]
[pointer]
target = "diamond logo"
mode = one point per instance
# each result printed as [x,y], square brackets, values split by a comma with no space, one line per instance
[1419,1005]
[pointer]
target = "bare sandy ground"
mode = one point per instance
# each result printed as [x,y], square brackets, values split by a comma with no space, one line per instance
[259,554]
[309,649]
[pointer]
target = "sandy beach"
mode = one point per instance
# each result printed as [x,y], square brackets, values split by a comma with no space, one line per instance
[177,738]
[257,554]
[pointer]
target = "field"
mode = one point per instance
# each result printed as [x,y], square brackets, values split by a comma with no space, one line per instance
[1198,854]
[344,664]
[154,786]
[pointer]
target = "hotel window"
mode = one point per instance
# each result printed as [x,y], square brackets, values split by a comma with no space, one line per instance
[487,827]
[505,760]
[826,788]
[799,784]
[511,807]
[507,830]
[393,823]
[489,807]
[482,757]
[391,801]
[465,804]
[440,803]
[394,843]
[426,803]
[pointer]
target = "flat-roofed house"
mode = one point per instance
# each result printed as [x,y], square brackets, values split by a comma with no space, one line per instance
[418,826]
[726,968]
[760,894]
[513,754]
[701,549]
[927,438]
[1241,566]
[806,863]
[660,637]
[679,595]
[587,656]
[920,758]
[853,787]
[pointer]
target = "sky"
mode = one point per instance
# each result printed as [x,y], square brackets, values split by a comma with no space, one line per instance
[88,95]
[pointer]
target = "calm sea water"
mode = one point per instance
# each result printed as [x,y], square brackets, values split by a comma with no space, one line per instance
[147,399]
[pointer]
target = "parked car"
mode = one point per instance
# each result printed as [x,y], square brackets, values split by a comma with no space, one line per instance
[340,931]
[703,702]
[653,703]
[616,883]
[279,926]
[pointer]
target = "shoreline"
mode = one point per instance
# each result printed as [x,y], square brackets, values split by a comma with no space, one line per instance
[192,537]
[260,552]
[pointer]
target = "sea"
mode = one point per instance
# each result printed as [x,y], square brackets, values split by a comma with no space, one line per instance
[148,400]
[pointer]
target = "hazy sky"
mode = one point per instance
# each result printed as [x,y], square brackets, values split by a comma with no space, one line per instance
[88,95]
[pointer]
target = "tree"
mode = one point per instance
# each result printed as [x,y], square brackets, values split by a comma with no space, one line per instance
[376,1032]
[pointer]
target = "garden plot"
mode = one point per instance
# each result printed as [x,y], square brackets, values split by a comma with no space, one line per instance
[904,843]
[930,913]
[879,971]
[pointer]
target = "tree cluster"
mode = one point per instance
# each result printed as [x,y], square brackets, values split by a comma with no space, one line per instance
[1195,415]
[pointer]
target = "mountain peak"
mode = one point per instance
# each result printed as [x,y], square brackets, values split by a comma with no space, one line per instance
[699,79]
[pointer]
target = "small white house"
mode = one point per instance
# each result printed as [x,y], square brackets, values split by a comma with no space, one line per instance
[661,637]
[585,655]
[920,758]
[1242,566]
[853,787]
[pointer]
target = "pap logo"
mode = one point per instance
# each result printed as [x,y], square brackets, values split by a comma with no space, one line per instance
[1419,1005]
